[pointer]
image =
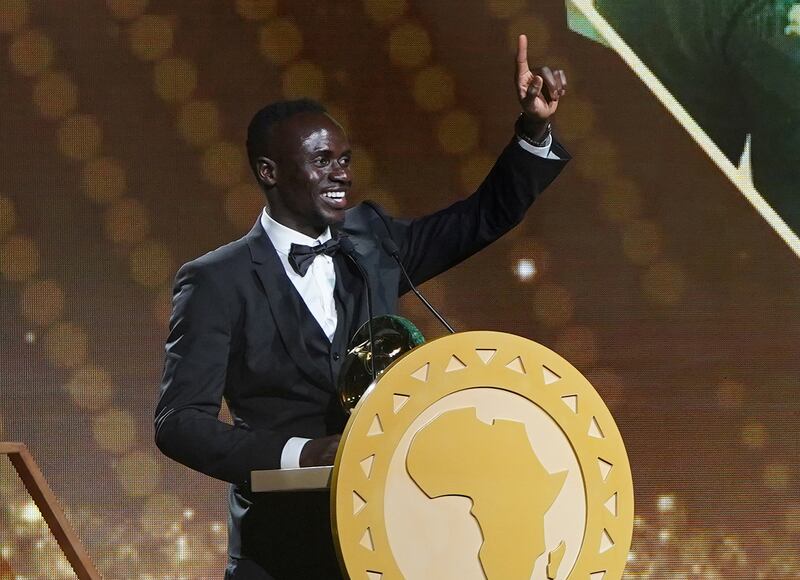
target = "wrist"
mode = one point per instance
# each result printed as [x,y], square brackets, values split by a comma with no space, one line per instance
[533,131]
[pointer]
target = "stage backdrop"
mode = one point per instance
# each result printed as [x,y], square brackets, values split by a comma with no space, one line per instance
[122,126]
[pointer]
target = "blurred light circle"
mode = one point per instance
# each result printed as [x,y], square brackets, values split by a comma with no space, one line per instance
[664,283]
[339,114]
[151,264]
[525,269]
[175,79]
[474,169]
[126,9]
[641,241]
[223,163]
[385,10]
[90,387]
[621,200]
[754,435]
[66,345]
[609,385]
[303,79]
[538,33]
[162,306]
[243,205]
[150,37]
[665,503]
[255,9]
[126,221]
[434,88]
[103,179]
[79,137]
[280,41]
[13,15]
[409,45]
[578,344]
[138,473]
[160,511]
[526,253]
[8,216]
[363,167]
[114,430]
[31,52]
[505,8]
[42,301]
[777,476]
[730,394]
[552,305]
[458,132]
[577,118]
[601,164]
[55,95]
[198,122]
[19,258]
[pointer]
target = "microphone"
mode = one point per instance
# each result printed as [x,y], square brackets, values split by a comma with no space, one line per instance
[390,247]
[350,251]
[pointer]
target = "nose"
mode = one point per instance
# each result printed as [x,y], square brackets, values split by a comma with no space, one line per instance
[340,172]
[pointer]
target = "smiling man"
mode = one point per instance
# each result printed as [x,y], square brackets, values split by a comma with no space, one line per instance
[264,321]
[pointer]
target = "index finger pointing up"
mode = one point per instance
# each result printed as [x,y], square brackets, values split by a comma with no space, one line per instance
[522,55]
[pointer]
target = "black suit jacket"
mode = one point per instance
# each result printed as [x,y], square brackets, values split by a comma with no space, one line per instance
[239,330]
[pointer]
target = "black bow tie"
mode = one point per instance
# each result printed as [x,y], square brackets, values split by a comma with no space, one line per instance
[300,257]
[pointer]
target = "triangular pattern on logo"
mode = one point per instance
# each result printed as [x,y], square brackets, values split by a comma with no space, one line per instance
[398,400]
[597,575]
[594,429]
[606,543]
[358,502]
[374,575]
[366,465]
[611,505]
[517,366]
[421,374]
[571,401]
[605,467]
[455,364]
[366,540]
[486,354]
[549,376]
[376,428]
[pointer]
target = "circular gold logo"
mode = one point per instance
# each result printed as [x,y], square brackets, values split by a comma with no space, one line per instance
[482,455]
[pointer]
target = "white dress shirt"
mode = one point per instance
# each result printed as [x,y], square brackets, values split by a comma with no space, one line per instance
[316,287]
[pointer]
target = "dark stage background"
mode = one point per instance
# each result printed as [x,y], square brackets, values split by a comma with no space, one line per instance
[121,156]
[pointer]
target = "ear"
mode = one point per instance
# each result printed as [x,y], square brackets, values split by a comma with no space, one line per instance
[267,171]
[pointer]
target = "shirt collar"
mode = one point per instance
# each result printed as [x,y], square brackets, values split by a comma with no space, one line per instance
[283,237]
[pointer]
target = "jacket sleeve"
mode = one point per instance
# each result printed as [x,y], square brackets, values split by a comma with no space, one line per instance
[198,350]
[432,244]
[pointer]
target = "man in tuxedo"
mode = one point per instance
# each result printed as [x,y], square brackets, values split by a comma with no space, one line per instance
[265,320]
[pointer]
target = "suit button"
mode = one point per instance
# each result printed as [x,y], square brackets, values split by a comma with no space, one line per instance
[336,356]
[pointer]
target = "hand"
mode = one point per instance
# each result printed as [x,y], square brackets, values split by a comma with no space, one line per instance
[320,451]
[538,90]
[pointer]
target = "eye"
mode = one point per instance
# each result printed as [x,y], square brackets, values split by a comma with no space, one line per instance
[345,161]
[321,161]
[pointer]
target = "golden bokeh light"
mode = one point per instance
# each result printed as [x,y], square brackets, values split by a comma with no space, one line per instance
[664,283]
[754,435]
[610,386]
[303,79]
[199,122]
[730,394]
[385,10]
[363,168]
[280,41]
[79,137]
[474,169]
[409,45]
[66,345]
[138,473]
[55,95]
[641,241]
[578,344]
[19,258]
[434,88]
[243,205]
[621,200]
[457,132]
[552,305]
[126,9]
[90,387]
[151,264]
[8,216]
[159,512]
[255,9]
[126,221]
[31,52]
[103,179]
[601,164]
[162,306]
[13,15]
[114,430]
[777,476]
[150,37]
[41,302]
[505,8]
[537,32]
[223,164]
[174,79]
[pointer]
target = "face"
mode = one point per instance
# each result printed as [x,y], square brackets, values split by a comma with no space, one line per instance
[308,173]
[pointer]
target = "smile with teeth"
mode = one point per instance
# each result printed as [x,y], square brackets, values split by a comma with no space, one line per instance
[334,194]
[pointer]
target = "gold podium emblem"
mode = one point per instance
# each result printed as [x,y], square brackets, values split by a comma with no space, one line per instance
[482,455]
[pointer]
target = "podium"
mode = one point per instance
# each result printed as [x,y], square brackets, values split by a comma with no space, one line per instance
[477,455]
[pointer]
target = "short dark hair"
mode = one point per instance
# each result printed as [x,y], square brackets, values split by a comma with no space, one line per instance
[260,129]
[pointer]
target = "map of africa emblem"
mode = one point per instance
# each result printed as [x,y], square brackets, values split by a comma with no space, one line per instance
[482,455]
